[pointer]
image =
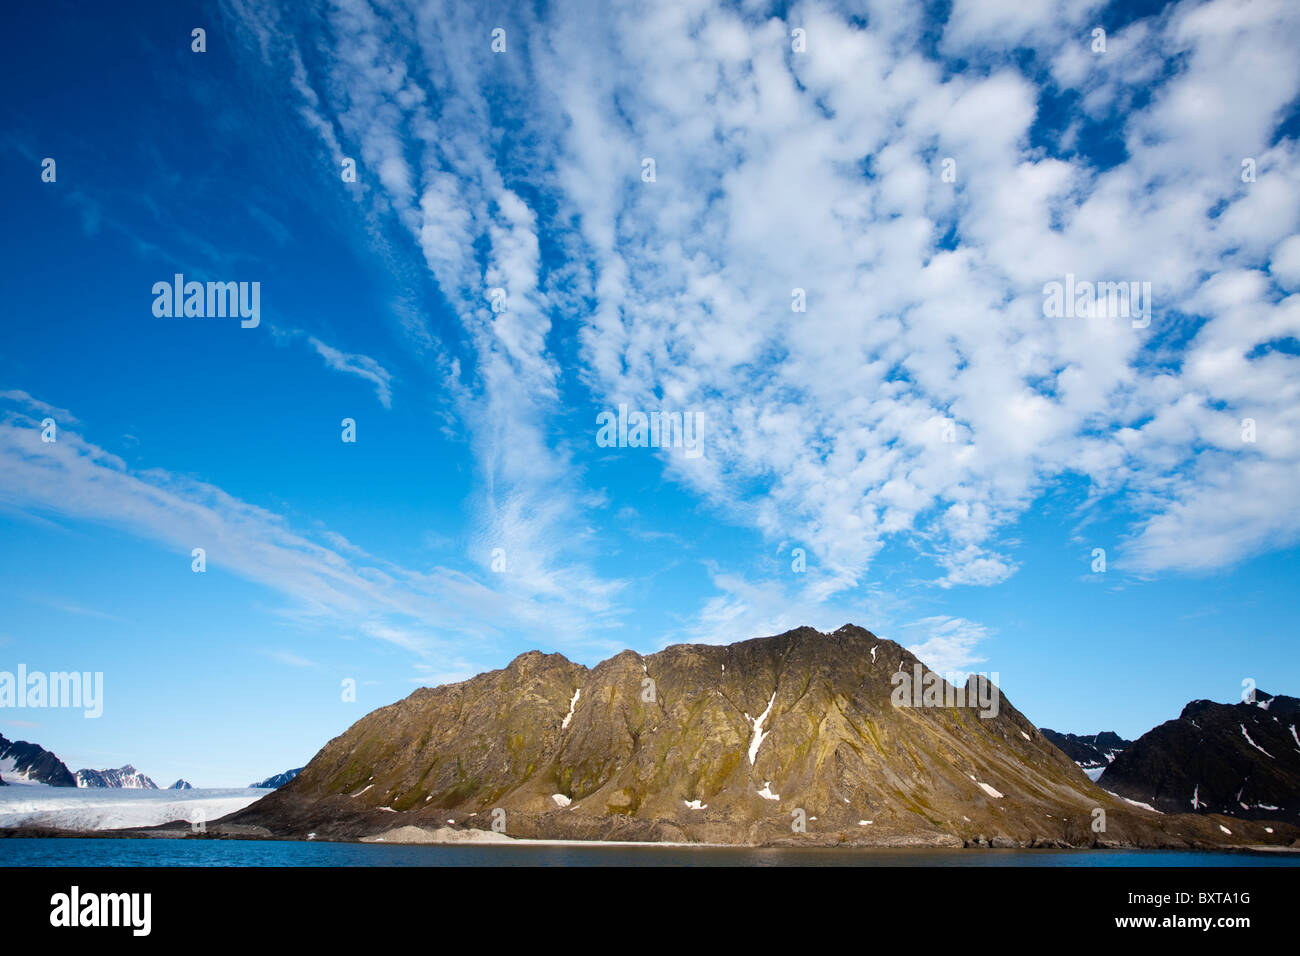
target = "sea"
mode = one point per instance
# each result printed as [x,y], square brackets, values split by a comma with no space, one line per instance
[92,852]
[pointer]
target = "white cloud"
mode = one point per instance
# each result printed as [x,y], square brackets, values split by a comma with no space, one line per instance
[323,579]
[948,644]
[290,658]
[776,171]
[61,415]
[360,365]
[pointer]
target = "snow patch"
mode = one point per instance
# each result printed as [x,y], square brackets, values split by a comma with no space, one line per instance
[1138,803]
[1253,744]
[10,774]
[696,805]
[1225,829]
[759,735]
[561,800]
[572,704]
[766,793]
[990,791]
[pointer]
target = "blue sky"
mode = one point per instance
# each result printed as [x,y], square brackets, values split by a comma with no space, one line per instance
[523,170]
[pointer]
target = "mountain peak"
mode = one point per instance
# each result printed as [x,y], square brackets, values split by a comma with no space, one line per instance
[125,777]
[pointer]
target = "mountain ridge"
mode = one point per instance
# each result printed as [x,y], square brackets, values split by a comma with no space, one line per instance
[24,761]
[793,738]
[1240,760]
[1092,752]
[276,780]
[125,777]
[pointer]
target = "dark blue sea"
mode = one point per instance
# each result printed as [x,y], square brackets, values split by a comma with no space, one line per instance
[90,852]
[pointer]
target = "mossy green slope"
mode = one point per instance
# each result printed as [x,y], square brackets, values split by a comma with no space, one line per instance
[658,747]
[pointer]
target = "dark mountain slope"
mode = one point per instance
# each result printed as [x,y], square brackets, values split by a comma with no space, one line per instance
[1089,752]
[1242,760]
[278,780]
[23,760]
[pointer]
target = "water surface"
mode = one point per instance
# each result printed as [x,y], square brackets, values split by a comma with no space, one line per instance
[97,852]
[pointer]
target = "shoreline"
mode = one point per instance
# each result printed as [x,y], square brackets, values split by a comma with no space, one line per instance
[175,833]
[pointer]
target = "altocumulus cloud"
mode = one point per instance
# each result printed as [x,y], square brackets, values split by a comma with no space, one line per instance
[820,170]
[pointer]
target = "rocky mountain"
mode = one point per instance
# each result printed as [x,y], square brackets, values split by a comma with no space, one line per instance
[279,780]
[23,762]
[126,777]
[1092,753]
[181,785]
[802,738]
[1242,760]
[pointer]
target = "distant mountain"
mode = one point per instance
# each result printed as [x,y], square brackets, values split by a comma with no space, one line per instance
[803,738]
[24,762]
[1093,754]
[181,785]
[279,780]
[1239,759]
[125,778]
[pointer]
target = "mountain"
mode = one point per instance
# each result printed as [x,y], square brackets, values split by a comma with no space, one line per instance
[1242,760]
[126,778]
[279,780]
[803,738]
[24,762]
[181,785]
[1092,754]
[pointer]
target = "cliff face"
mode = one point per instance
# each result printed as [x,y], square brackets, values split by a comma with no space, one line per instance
[796,738]
[1242,760]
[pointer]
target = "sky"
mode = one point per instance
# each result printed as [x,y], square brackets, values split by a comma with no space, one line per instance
[822,234]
